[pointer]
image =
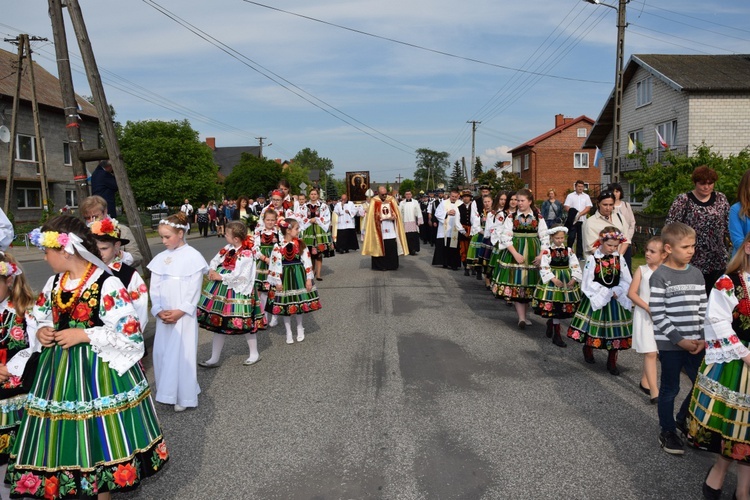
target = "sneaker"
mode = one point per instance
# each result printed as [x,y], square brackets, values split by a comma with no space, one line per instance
[671,443]
[274,321]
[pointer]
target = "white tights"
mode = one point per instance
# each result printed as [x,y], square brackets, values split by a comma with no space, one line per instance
[217,345]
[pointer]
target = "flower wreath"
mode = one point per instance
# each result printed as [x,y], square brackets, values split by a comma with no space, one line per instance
[106,227]
[9,269]
[48,239]
[173,224]
[610,235]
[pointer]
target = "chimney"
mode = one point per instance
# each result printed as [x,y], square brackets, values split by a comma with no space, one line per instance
[559,120]
[211,143]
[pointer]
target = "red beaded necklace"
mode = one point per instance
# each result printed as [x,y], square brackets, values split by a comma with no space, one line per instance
[286,253]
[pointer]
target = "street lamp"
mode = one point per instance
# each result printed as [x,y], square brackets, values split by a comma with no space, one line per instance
[621,25]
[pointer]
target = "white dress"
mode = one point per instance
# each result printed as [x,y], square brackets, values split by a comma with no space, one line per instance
[643,327]
[176,282]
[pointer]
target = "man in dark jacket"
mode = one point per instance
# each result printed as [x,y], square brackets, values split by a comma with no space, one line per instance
[103,184]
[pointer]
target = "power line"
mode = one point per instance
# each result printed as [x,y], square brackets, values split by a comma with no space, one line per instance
[681,38]
[637,33]
[697,27]
[692,17]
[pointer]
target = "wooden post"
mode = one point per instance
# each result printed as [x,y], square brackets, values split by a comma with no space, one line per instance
[41,157]
[13,123]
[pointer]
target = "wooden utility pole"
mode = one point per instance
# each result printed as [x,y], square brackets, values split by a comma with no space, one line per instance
[107,125]
[260,143]
[13,123]
[473,142]
[40,155]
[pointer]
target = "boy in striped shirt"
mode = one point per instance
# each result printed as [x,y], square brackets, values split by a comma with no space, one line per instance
[678,308]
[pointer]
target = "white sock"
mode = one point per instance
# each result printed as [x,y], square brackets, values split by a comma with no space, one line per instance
[252,343]
[263,298]
[555,321]
[4,488]
[300,329]
[288,326]
[217,344]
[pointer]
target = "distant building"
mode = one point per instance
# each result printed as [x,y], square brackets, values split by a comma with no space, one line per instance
[26,205]
[229,157]
[557,158]
[688,99]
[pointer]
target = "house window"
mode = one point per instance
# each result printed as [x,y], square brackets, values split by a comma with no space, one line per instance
[526,161]
[643,92]
[71,198]
[668,132]
[580,160]
[581,132]
[516,164]
[67,160]
[634,138]
[631,193]
[29,197]
[585,187]
[25,148]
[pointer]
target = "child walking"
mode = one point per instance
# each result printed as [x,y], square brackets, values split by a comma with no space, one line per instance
[643,328]
[475,255]
[678,308]
[265,241]
[603,319]
[90,426]
[229,303]
[719,418]
[18,332]
[290,273]
[493,230]
[524,237]
[316,220]
[176,282]
[558,292]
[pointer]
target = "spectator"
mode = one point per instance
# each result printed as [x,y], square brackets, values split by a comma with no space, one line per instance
[580,202]
[95,208]
[212,216]
[707,212]
[187,209]
[739,214]
[624,212]
[104,184]
[202,218]
[552,209]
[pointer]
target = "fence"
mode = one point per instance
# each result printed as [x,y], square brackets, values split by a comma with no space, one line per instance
[646,226]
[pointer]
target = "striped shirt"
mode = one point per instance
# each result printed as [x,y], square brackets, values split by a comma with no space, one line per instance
[678,305]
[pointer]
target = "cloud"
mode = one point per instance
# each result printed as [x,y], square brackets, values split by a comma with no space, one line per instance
[492,156]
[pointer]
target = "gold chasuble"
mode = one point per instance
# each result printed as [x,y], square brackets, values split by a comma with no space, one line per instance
[378,211]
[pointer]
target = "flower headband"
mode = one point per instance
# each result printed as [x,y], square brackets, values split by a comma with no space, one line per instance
[106,227]
[9,269]
[277,193]
[69,242]
[610,235]
[557,229]
[173,224]
[283,223]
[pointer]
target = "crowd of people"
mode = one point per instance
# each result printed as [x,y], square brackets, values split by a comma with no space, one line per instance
[72,385]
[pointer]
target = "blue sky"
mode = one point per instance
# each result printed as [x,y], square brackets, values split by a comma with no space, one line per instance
[404,97]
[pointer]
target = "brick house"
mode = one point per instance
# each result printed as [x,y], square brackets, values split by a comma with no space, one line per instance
[557,158]
[27,203]
[687,98]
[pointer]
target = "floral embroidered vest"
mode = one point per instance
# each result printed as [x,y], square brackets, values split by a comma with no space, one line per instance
[559,257]
[607,271]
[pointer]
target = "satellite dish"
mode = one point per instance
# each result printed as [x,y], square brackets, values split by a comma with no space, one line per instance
[4,134]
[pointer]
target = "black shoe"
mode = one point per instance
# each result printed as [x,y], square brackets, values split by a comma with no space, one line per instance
[588,354]
[682,427]
[654,400]
[613,369]
[708,492]
[671,443]
[522,325]
[558,341]
[647,392]
[549,328]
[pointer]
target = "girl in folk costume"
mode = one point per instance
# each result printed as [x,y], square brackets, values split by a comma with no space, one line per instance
[90,426]
[603,319]
[474,257]
[229,303]
[265,241]
[492,231]
[176,282]
[315,220]
[18,342]
[558,292]
[524,237]
[290,274]
[277,204]
[109,242]
[643,328]
[719,418]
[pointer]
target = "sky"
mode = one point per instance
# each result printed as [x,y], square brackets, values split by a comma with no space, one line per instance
[364,82]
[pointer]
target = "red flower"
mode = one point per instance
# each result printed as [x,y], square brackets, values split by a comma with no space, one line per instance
[134,295]
[16,333]
[28,483]
[81,313]
[51,488]
[292,309]
[107,226]
[124,295]
[724,283]
[740,451]
[306,307]
[41,300]
[131,327]
[142,288]
[125,475]
[744,307]
[161,450]
[109,302]
[276,309]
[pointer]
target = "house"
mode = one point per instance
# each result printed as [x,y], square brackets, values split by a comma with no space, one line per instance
[229,157]
[26,206]
[687,99]
[557,158]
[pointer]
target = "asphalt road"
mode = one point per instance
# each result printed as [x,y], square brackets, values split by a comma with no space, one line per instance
[414,384]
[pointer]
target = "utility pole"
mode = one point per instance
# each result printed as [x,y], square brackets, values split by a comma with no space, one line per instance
[13,123]
[473,142]
[106,125]
[260,143]
[398,178]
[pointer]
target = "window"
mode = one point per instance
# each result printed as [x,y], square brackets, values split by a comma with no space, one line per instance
[67,160]
[643,92]
[668,132]
[582,132]
[580,160]
[526,161]
[516,164]
[585,187]
[635,138]
[25,148]
[71,198]
[29,197]
[631,188]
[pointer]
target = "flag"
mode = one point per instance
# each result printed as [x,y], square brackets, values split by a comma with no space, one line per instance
[631,146]
[598,156]
[661,139]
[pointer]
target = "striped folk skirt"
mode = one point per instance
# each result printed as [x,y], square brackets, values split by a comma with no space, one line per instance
[222,310]
[553,302]
[476,248]
[517,282]
[318,242]
[85,434]
[261,269]
[294,298]
[719,419]
[608,328]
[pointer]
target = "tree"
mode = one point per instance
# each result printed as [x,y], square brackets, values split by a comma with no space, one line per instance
[664,182]
[457,176]
[332,188]
[508,181]
[432,164]
[166,161]
[477,168]
[310,160]
[407,185]
[251,177]
[490,179]
[296,175]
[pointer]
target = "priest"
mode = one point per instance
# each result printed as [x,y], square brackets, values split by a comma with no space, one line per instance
[411,214]
[385,238]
